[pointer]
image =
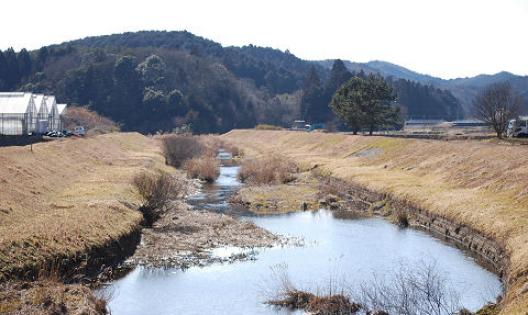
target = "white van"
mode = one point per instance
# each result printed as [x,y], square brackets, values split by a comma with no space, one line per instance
[518,127]
[79,131]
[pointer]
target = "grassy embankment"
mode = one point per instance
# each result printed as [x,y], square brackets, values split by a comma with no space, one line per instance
[483,185]
[65,198]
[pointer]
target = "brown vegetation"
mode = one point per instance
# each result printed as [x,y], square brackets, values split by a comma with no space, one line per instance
[156,191]
[267,127]
[409,290]
[65,198]
[184,237]
[92,122]
[478,184]
[270,169]
[299,195]
[203,168]
[179,148]
[336,304]
[49,297]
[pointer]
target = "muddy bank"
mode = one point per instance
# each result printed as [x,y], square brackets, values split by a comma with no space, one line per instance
[184,237]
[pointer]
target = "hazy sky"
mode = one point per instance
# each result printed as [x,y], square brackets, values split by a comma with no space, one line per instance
[446,38]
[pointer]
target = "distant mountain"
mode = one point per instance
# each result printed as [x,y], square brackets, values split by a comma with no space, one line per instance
[464,89]
[155,80]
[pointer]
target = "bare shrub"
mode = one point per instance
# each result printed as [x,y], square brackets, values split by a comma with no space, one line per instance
[267,170]
[92,122]
[411,290]
[420,290]
[326,304]
[156,191]
[179,148]
[203,168]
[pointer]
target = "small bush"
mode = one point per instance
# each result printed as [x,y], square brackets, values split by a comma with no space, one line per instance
[204,168]
[268,170]
[179,148]
[401,218]
[267,127]
[156,191]
[234,150]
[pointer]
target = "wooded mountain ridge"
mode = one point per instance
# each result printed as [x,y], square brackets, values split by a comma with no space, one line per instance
[464,89]
[157,80]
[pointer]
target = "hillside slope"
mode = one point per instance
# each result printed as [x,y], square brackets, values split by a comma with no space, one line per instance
[469,183]
[153,80]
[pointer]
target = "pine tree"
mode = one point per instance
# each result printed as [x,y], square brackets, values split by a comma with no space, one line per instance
[311,99]
[3,71]
[24,63]
[366,104]
[12,73]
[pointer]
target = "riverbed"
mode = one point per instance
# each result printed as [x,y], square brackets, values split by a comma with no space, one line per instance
[343,252]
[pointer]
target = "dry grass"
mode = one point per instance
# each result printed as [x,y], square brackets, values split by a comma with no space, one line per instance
[478,183]
[267,127]
[203,168]
[49,297]
[300,195]
[272,169]
[69,195]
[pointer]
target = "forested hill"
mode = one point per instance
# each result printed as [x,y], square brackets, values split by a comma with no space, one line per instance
[464,89]
[150,81]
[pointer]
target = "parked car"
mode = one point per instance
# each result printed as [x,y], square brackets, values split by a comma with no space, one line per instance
[518,127]
[79,131]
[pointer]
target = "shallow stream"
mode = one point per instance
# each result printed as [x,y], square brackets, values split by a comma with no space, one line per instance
[341,251]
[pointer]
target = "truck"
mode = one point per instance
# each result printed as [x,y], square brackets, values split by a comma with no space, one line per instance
[518,127]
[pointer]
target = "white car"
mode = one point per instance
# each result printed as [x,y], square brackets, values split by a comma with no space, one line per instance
[79,131]
[518,127]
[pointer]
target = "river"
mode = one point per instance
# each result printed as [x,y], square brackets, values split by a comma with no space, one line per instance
[341,251]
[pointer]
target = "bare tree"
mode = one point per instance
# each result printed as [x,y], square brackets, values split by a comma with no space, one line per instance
[496,105]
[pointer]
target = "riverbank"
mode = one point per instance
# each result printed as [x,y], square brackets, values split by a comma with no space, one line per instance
[469,184]
[184,237]
[63,204]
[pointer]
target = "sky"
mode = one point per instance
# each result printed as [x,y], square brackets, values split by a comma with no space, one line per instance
[444,38]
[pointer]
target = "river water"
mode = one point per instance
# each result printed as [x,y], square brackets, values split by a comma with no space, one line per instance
[341,251]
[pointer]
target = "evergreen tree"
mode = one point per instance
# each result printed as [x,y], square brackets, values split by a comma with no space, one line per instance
[338,76]
[311,99]
[42,57]
[153,72]
[366,104]
[3,71]
[12,73]
[127,94]
[24,63]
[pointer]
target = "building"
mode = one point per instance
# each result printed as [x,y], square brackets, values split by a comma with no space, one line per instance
[24,113]
[17,113]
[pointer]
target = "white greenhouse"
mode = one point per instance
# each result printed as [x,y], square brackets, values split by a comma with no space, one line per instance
[27,113]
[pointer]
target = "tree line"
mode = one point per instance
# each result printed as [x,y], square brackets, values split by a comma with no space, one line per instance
[152,81]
